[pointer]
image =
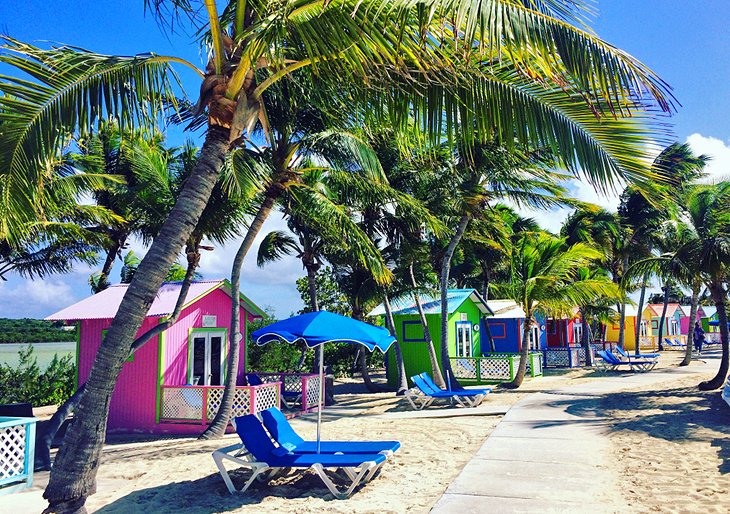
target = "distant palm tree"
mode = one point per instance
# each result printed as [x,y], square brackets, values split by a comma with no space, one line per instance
[545,276]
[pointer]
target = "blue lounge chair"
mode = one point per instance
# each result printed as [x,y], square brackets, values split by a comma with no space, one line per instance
[674,344]
[259,454]
[645,356]
[425,394]
[427,378]
[610,362]
[283,434]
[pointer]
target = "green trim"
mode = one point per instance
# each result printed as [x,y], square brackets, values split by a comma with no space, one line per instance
[160,372]
[78,355]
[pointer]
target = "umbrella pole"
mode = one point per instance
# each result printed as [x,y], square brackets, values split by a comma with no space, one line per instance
[321,394]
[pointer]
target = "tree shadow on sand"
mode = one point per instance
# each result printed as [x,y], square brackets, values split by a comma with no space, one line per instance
[209,494]
[676,415]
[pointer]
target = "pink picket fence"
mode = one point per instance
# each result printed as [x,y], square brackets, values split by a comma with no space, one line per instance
[199,404]
[300,391]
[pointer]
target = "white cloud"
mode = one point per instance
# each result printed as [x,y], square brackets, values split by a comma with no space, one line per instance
[35,298]
[553,219]
[718,168]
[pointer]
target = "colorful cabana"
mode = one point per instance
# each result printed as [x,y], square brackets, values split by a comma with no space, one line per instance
[466,308]
[564,331]
[173,384]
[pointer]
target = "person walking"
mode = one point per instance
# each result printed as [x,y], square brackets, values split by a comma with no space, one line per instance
[699,337]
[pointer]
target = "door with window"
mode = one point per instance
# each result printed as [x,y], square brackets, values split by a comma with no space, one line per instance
[463,339]
[577,332]
[534,338]
[206,359]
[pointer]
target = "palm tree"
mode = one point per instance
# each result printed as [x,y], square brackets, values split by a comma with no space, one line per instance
[545,276]
[488,173]
[526,72]
[707,251]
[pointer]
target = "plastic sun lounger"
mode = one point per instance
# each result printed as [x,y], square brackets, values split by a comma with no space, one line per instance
[427,378]
[680,343]
[283,434]
[673,344]
[646,356]
[259,454]
[289,399]
[614,363]
[425,395]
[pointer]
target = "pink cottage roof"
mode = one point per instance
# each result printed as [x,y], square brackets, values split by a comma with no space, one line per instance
[105,304]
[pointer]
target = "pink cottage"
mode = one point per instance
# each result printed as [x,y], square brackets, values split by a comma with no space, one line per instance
[172,384]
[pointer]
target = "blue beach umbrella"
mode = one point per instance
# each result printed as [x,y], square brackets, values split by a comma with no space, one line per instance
[717,323]
[318,328]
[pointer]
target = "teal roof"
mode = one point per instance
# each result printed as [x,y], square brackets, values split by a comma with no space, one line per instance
[432,304]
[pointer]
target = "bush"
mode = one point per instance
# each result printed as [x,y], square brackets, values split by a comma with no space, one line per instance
[27,383]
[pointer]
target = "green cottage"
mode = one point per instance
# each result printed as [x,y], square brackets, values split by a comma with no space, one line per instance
[466,309]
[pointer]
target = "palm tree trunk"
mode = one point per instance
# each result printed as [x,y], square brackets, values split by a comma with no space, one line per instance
[43,447]
[487,329]
[111,256]
[524,353]
[662,319]
[719,295]
[444,285]
[400,365]
[438,378]
[73,477]
[692,320]
[639,309]
[622,321]
[314,306]
[585,338]
[219,424]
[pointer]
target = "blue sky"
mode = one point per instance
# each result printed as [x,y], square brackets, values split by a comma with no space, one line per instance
[686,43]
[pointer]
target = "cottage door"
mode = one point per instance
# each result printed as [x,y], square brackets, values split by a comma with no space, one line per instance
[207,359]
[463,339]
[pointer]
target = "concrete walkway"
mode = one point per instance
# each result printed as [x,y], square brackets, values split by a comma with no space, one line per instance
[548,456]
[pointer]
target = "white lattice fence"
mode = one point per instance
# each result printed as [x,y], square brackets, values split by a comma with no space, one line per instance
[17,440]
[184,403]
[494,368]
[312,398]
[556,358]
[266,396]
[464,367]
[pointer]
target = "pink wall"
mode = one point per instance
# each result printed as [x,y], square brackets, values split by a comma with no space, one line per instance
[684,325]
[134,398]
[134,401]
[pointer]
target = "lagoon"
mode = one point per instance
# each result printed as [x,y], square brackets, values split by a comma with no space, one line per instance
[44,352]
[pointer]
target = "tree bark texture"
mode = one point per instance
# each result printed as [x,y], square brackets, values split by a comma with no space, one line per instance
[73,476]
[444,285]
[438,377]
[691,332]
[402,385]
[217,427]
[585,337]
[719,295]
[639,309]
[663,317]
[43,448]
[524,353]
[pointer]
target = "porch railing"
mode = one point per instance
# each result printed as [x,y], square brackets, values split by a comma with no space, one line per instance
[298,389]
[17,446]
[200,404]
[494,367]
[565,356]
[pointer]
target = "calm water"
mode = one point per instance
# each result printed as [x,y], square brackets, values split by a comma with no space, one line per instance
[44,352]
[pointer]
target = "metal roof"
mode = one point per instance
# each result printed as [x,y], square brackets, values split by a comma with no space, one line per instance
[710,310]
[432,304]
[105,304]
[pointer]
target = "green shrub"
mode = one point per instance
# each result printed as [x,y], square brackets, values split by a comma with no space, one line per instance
[27,383]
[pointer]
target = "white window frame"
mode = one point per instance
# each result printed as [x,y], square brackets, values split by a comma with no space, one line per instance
[534,338]
[577,332]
